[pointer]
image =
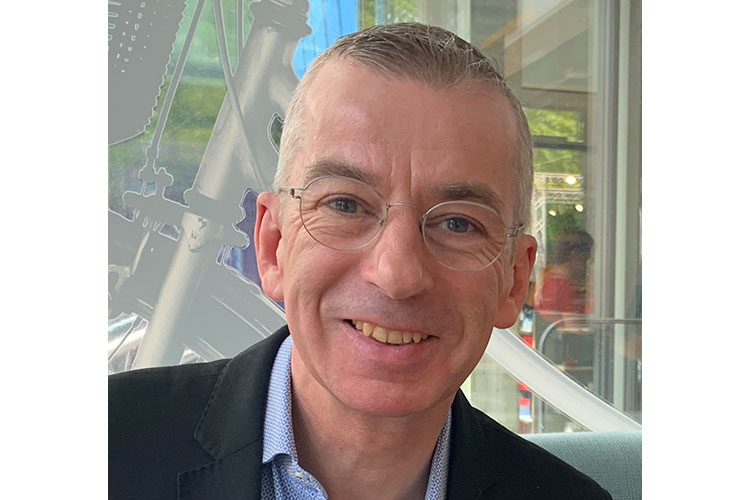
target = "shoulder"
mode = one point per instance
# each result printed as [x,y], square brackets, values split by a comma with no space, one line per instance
[155,416]
[153,391]
[158,405]
[163,398]
[516,467]
[146,384]
[546,475]
[167,397]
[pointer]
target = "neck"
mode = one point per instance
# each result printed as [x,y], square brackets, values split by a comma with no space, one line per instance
[357,455]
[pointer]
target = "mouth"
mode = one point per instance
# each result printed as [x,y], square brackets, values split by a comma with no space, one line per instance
[386,336]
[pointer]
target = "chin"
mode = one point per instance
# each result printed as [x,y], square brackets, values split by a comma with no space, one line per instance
[383,399]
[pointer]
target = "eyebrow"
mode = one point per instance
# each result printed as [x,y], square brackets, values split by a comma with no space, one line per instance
[469,191]
[326,166]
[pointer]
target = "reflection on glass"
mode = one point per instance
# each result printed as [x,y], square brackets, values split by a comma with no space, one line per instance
[564,286]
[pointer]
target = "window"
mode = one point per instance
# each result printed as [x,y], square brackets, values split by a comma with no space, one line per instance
[575,65]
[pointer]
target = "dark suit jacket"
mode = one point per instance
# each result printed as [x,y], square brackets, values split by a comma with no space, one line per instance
[196,432]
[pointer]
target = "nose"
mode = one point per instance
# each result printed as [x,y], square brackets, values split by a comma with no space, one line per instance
[398,262]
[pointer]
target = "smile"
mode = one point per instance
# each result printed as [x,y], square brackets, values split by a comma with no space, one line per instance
[386,336]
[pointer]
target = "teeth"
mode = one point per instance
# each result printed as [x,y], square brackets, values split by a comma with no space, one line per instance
[380,334]
[395,338]
[367,329]
[386,336]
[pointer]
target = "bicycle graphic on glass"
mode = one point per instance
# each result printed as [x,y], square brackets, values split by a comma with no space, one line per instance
[172,295]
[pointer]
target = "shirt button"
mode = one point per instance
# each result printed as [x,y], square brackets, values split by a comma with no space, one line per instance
[300,475]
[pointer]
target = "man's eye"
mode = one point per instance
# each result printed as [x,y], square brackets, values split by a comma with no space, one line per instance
[342,204]
[458,225]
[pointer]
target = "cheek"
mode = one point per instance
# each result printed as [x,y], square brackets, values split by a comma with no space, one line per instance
[311,270]
[475,299]
[481,318]
[480,296]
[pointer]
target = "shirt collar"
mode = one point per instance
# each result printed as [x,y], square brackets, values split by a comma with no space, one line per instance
[278,434]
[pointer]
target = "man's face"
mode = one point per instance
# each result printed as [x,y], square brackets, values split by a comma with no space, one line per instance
[413,142]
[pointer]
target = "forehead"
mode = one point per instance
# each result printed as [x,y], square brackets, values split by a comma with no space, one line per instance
[399,131]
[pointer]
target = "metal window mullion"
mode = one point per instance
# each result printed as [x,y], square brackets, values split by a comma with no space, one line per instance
[602,166]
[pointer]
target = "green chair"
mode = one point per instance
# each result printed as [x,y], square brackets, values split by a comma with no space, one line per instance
[613,459]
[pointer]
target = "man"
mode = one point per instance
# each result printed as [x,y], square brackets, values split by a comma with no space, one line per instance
[394,241]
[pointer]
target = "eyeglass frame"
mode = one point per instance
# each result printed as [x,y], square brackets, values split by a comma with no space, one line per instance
[293,193]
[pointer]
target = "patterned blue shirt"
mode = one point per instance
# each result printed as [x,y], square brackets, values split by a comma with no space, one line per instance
[282,476]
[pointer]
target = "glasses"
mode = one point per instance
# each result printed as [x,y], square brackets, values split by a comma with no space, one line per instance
[347,214]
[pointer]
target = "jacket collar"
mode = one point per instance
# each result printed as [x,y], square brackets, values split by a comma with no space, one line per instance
[231,428]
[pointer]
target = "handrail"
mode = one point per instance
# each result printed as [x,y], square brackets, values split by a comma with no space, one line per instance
[545,380]
[588,321]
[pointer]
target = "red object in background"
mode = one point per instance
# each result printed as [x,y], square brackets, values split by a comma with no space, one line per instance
[524,410]
[558,295]
[529,341]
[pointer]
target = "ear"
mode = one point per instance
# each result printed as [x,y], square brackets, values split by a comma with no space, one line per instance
[524,257]
[268,245]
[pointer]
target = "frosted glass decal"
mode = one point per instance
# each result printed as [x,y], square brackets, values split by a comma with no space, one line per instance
[173,297]
[141,35]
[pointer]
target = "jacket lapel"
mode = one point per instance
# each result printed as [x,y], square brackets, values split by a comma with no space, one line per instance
[234,477]
[231,428]
[472,470]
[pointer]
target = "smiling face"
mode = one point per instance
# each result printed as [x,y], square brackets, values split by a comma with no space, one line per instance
[418,146]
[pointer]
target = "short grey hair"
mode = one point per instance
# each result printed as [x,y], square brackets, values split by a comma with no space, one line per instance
[427,54]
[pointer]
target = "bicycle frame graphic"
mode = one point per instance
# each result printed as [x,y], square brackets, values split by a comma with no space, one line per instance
[182,287]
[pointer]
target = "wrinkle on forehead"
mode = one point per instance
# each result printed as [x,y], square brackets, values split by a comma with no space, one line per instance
[358,126]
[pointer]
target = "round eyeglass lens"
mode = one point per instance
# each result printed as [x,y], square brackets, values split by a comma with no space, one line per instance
[463,235]
[342,213]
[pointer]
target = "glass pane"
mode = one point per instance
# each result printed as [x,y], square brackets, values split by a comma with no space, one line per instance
[562,59]
[511,403]
[579,84]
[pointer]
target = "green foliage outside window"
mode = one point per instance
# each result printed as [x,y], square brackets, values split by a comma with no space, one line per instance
[556,123]
[565,127]
[372,12]
[560,127]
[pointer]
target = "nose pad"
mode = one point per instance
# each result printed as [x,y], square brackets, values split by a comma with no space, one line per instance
[398,264]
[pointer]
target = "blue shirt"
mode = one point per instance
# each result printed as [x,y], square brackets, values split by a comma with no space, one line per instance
[282,477]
